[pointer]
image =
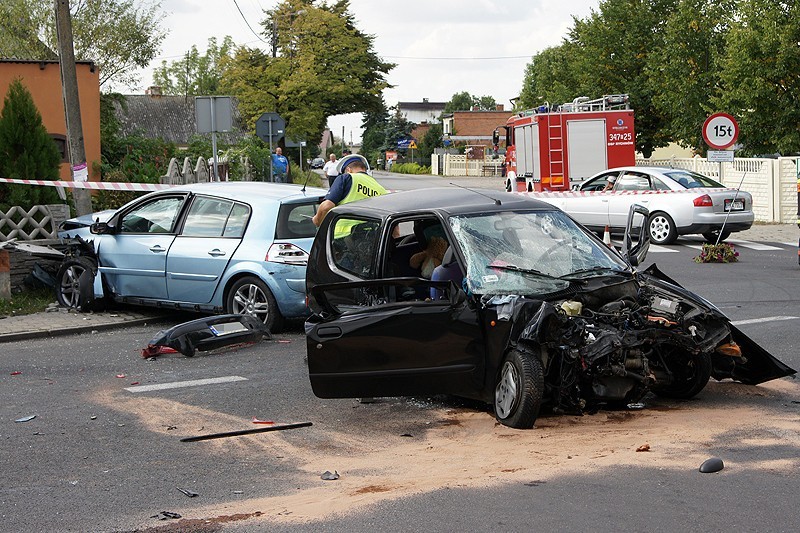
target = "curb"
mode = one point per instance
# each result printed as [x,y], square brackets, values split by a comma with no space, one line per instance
[59,332]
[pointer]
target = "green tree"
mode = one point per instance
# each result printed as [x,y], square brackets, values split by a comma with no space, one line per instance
[196,74]
[430,141]
[761,76]
[26,151]
[684,73]
[324,66]
[374,136]
[550,77]
[398,128]
[120,36]
[464,101]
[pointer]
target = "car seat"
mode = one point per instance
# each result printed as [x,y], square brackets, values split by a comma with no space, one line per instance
[449,270]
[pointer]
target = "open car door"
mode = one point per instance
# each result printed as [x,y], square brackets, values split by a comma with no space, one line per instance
[394,337]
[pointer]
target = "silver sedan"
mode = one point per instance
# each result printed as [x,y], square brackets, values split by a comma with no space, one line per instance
[681,202]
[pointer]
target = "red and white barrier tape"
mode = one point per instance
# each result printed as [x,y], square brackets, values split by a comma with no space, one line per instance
[94,185]
[572,194]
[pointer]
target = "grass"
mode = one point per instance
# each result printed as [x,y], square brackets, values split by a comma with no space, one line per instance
[26,302]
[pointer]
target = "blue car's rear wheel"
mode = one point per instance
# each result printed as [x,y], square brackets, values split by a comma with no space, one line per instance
[251,296]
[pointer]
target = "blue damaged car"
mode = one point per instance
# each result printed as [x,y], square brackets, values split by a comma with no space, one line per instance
[235,247]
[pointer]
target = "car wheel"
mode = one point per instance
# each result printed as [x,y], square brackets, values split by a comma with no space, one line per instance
[662,229]
[251,296]
[690,376]
[69,292]
[712,236]
[518,394]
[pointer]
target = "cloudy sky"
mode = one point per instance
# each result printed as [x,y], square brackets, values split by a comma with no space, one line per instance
[441,47]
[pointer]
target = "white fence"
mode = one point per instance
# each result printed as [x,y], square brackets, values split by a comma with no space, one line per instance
[772,182]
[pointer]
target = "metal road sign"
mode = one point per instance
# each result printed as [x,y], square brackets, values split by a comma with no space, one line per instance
[270,127]
[720,131]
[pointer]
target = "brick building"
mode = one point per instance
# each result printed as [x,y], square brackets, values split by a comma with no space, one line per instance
[474,127]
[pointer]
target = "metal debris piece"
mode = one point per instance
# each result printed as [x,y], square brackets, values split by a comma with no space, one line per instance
[327,476]
[245,432]
[189,493]
[636,406]
[712,465]
[259,421]
[25,418]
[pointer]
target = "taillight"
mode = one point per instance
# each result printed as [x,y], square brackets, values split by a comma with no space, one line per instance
[282,252]
[703,201]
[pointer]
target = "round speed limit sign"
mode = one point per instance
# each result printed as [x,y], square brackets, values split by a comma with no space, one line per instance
[720,131]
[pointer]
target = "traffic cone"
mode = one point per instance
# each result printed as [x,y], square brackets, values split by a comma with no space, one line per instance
[607,237]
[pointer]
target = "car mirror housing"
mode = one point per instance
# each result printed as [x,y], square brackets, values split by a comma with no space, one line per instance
[101,228]
[635,254]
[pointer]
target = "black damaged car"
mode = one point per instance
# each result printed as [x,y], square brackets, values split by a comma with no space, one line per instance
[524,309]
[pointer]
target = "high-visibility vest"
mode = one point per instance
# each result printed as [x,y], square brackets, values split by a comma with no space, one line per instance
[363,186]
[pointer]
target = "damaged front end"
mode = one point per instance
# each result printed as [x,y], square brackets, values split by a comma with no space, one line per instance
[612,343]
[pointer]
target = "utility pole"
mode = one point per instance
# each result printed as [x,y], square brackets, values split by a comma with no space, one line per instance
[72,106]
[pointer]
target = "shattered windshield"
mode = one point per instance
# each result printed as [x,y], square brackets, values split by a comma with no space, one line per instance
[528,252]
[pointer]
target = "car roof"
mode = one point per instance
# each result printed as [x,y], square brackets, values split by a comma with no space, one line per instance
[247,191]
[446,200]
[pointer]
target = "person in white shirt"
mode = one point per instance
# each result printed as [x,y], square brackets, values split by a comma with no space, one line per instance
[330,170]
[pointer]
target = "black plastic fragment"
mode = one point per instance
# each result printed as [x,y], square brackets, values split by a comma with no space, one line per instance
[211,333]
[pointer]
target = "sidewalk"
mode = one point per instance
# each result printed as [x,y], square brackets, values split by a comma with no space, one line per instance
[61,322]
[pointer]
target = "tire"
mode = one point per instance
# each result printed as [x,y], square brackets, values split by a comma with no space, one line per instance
[662,228]
[712,236]
[518,392]
[251,296]
[691,376]
[68,288]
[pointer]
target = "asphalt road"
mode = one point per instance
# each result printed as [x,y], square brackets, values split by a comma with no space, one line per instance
[102,455]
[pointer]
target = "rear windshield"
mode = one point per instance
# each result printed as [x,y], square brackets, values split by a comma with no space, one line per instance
[294,221]
[691,180]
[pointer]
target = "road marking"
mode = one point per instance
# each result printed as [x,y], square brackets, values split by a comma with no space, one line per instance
[753,245]
[765,319]
[654,248]
[790,244]
[182,384]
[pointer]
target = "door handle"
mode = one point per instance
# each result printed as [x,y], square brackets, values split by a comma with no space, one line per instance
[216,252]
[157,249]
[329,332]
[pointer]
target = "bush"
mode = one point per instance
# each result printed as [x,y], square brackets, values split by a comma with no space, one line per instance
[410,168]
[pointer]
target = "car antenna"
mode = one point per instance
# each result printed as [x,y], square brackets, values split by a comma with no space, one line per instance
[495,200]
[308,176]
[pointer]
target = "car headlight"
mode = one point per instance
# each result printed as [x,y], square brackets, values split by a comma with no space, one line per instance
[287,253]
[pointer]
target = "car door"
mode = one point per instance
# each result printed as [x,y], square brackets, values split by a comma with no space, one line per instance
[133,257]
[386,336]
[211,232]
[628,190]
[589,206]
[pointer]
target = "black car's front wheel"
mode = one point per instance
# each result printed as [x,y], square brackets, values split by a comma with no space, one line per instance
[251,296]
[690,374]
[518,393]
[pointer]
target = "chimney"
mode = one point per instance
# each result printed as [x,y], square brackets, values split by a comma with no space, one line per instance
[498,107]
[153,90]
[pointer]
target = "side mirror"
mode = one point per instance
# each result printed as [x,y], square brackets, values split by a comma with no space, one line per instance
[101,228]
[635,254]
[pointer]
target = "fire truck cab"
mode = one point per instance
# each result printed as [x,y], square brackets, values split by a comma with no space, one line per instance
[549,147]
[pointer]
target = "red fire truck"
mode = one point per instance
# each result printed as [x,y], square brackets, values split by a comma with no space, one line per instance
[548,146]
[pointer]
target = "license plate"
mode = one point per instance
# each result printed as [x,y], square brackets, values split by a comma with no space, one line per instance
[734,205]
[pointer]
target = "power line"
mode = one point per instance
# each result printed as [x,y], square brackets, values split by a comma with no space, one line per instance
[248,24]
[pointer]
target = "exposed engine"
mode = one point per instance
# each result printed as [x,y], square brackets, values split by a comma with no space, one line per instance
[615,344]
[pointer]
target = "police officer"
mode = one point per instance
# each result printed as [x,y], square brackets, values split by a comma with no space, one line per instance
[352,184]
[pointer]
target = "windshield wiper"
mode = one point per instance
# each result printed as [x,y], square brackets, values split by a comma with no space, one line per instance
[591,270]
[532,271]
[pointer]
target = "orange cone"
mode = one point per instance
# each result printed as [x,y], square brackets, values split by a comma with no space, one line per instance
[607,237]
